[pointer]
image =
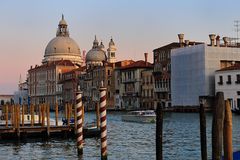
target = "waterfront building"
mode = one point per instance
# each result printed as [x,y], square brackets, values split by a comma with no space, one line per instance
[21,95]
[147,100]
[227,80]
[43,82]
[162,69]
[6,98]
[99,71]
[69,82]
[131,83]
[193,69]
[117,75]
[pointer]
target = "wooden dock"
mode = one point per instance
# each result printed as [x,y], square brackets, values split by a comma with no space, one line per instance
[13,124]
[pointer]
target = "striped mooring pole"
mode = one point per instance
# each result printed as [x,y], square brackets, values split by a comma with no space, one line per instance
[79,123]
[103,120]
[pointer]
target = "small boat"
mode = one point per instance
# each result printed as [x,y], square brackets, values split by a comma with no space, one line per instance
[236,110]
[146,116]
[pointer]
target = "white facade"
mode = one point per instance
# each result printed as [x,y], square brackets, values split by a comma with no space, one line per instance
[193,69]
[230,87]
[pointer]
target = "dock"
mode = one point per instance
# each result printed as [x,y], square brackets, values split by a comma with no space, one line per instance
[15,125]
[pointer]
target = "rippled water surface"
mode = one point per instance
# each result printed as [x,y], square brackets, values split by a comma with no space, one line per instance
[133,141]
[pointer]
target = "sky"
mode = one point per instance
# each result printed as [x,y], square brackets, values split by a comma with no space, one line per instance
[137,26]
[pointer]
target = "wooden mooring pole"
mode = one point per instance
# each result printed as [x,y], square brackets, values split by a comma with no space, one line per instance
[12,115]
[23,108]
[203,136]
[97,115]
[48,119]
[227,132]
[103,118]
[159,131]
[79,123]
[39,113]
[217,126]
[56,114]
[6,115]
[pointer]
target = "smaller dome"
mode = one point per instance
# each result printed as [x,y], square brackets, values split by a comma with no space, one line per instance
[95,55]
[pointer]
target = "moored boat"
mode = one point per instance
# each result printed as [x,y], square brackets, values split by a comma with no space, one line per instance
[145,116]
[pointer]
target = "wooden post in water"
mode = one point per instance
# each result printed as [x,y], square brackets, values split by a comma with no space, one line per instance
[48,119]
[79,123]
[18,120]
[227,132]
[23,108]
[68,114]
[159,131]
[97,115]
[56,114]
[39,113]
[32,114]
[103,118]
[12,115]
[203,136]
[66,111]
[6,115]
[43,114]
[217,126]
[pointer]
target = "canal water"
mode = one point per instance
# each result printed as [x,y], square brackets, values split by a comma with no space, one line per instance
[126,141]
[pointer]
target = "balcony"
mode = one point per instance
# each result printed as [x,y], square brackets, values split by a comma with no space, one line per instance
[129,80]
[228,82]
[237,82]
[220,83]
[161,90]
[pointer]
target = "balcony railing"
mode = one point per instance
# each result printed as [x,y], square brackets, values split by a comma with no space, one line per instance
[161,89]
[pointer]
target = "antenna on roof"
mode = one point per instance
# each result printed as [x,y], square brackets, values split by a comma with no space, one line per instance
[237,29]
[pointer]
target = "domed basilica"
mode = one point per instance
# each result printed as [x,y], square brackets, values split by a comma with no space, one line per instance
[62,47]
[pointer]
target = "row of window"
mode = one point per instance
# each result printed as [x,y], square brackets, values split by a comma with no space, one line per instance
[229,79]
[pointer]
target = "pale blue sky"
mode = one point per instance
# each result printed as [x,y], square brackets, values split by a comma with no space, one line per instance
[137,26]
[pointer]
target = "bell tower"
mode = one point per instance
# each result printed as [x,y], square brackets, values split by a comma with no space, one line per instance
[111,51]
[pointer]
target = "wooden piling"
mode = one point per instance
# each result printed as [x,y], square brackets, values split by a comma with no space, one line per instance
[159,131]
[75,117]
[6,115]
[48,119]
[203,136]
[217,126]
[227,132]
[68,114]
[66,110]
[18,120]
[56,114]
[97,114]
[32,114]
[23,110]
[12,115]
[43,114]
[103,118]
[39,113]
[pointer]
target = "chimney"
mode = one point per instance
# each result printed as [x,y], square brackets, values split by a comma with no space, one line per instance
[187,42]
[225,39]
[180,37]
[212,39]
[218,41]
[146,58]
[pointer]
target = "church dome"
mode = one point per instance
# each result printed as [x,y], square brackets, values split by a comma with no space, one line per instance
[97,54]
[62,47]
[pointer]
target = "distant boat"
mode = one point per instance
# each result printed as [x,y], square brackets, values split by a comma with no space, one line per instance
[236,110]
[146,116]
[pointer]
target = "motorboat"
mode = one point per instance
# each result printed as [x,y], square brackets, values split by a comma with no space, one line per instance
[144,116]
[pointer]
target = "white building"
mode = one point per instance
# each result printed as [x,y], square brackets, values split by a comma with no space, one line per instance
[227,80]
[193,69]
